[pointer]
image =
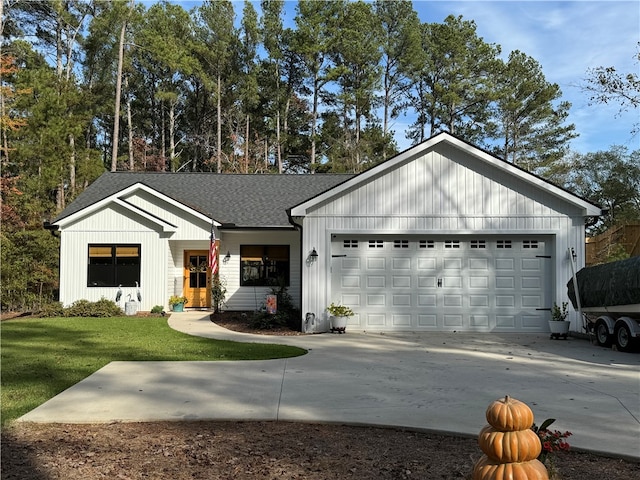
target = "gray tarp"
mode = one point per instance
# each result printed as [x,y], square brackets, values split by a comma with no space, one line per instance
[615,283]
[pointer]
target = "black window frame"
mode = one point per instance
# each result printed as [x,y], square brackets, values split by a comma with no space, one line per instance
[264,265]
[109,271]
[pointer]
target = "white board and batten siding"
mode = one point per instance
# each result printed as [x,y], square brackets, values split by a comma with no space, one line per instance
[241,298]
[112,225]
[441,194]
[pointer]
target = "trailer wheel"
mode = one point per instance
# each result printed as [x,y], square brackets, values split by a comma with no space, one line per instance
[602,334]
[624,340]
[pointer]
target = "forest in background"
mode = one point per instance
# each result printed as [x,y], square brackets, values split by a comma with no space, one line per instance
[89,86]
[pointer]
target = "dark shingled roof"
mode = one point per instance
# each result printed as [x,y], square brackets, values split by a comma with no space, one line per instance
[243,200]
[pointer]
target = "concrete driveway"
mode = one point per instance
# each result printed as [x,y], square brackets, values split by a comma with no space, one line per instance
[437,382]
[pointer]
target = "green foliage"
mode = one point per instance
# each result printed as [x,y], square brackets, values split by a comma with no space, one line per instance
[338,310]
[29,269]
[218,292]
[53,309]
[559,314]
[43,357]
[176,299]
[85,308]
[530,116]
[610,179]
[617,252]
[157,309]
[267,321]
[286,314]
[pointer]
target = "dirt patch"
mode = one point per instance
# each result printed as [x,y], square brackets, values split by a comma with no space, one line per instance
[248,450]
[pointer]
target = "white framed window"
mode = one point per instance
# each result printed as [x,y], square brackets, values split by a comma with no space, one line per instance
[110,265]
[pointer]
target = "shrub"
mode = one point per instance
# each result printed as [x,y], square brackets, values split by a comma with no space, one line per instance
[286,315]
[268,321]
[157,309]
[101,308]
[53,309]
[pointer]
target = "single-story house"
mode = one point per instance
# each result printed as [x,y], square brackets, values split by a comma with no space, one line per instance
[441,237]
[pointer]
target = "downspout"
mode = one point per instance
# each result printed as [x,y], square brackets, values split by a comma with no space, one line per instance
[299,228]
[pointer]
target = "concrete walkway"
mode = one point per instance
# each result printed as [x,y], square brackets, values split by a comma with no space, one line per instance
[437,382]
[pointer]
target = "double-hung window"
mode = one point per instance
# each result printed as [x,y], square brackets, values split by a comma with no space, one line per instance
[112,265]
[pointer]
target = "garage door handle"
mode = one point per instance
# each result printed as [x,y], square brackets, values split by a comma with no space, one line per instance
[439,282]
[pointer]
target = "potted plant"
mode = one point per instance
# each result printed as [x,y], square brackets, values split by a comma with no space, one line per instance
[177,303]
[339,316]
[558,324]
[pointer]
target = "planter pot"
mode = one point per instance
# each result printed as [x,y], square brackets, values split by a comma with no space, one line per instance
[178,307]
[339,324]
[559,328]
[130,308]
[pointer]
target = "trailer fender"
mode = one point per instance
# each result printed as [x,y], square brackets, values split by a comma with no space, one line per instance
[632,323]
[603,329]
[610,322]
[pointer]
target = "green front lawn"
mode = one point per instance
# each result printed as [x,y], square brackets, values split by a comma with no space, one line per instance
[42,357]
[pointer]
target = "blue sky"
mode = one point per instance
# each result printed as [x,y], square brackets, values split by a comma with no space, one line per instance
[565,37]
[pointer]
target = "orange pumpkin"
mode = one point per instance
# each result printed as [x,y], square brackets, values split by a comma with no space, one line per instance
[508,414]
[507,447]
[488,469]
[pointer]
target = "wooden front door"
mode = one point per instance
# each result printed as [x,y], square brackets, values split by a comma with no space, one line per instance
[197,279]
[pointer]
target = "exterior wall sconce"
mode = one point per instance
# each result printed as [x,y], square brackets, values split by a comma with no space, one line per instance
[227,257]
[313,256]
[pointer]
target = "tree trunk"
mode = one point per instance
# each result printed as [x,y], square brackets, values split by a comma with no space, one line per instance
[314,120]
[116,112]
[172,140]
[246,145]
[129,128]
[219,126]
[163,150]
[72,166]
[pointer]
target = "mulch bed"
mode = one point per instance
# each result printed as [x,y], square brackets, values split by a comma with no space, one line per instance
[249,450]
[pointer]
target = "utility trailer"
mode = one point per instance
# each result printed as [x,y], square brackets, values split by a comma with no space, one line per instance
[609,300]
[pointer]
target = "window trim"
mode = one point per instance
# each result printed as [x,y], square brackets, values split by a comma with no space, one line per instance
[93,275]
[265,278]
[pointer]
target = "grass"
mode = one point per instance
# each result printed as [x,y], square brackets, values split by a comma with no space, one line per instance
[42,357]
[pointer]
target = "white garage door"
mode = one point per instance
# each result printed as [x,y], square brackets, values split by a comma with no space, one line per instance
[443,283]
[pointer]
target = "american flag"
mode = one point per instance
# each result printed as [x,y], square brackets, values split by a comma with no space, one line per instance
[213,252]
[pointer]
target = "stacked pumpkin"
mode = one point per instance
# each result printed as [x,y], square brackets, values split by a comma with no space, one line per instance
[510,446]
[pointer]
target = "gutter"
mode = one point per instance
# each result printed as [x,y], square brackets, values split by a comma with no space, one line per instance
[52,228]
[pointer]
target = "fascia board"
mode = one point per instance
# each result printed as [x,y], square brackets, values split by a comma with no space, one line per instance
[99,205]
